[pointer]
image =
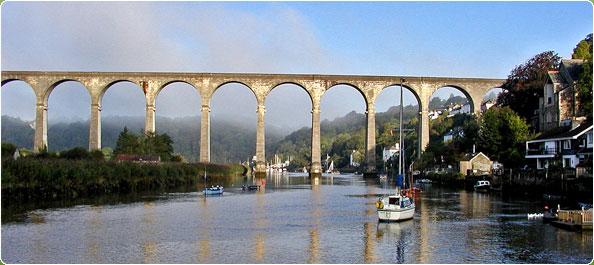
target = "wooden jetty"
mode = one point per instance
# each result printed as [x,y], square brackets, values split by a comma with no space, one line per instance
[575,220]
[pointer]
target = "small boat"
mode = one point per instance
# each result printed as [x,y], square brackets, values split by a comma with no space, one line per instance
[395,207]
[482,186]
[250,187]
[331,169]
[213,190]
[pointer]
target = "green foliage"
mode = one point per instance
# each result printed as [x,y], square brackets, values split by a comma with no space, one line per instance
[75,153]
[146,144]
[8,150]
[525,84]
[502,134]
[97,155]
[583,50]
[30,178]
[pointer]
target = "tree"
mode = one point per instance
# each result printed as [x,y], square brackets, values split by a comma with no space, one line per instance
[525,84]
[583,50]
[127,143]
[502,134]
[147,144]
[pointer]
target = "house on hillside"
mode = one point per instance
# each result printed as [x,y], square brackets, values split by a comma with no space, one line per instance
[456,132]
[485,105]
[566,137]
[559,105]
[390,151]
[571,146]
[476,164]
[460,109]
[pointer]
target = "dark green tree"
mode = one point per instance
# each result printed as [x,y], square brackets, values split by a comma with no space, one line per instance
[128,143]
[525,84]
[583,50]
[502,134]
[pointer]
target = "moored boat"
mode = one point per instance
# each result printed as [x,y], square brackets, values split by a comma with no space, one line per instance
[482,186]
[395,207]
[213,191]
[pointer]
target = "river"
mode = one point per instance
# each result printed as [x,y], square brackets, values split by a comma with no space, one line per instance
[292,221]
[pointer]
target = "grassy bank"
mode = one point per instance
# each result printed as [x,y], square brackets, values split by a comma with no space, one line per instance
[34,179]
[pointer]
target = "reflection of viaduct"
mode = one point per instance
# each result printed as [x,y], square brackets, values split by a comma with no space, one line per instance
[260,84]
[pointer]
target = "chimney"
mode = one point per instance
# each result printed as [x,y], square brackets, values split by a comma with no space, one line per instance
[473,149]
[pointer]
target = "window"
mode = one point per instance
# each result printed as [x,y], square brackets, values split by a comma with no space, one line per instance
[393,201]
[567,162]
[549,100]
[567,144]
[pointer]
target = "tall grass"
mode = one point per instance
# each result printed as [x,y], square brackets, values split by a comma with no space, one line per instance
[33,178]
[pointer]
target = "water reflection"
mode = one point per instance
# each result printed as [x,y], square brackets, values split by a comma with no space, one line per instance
[149,247]
[94,228]
[316,212]
[261,223]
[203,242]
[293,219]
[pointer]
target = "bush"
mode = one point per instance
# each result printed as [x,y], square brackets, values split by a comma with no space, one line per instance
[75,153]
[97,155]
[8,150]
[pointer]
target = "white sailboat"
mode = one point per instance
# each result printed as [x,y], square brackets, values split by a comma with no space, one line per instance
[398,206]
[331,169]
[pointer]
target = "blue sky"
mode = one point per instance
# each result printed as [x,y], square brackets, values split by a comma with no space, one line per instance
[456,39]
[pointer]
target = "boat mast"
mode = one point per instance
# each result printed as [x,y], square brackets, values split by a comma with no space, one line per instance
[400,158]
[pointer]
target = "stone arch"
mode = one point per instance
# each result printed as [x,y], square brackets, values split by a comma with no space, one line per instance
[490,90]
[208,97]
[51,88]
[6,81]
[472,101]
[177,81]
[291,83]
[235,100]
[20,102]
[84,139]
[350,85]
[111,83]
[295,111]
[407,87]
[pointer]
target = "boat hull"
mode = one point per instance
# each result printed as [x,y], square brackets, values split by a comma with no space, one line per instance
[482,188]
[395,215]
[213,192]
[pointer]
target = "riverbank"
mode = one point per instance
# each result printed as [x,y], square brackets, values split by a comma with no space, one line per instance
[50,179]
[568,191]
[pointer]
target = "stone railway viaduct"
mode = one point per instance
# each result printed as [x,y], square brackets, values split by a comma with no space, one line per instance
[206,84]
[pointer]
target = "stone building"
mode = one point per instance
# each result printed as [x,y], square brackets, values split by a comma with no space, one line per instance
[559,104]
[476,164]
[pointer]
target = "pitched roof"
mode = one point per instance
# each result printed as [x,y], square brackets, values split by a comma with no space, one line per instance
[469,157]
[555,77]
[571,68]
[564,132]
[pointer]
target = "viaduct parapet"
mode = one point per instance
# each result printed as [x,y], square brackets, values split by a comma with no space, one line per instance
[151,83]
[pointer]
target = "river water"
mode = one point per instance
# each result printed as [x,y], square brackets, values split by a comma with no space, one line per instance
[292,221]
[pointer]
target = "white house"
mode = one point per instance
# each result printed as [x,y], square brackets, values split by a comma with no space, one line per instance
[387,153]
[570,145]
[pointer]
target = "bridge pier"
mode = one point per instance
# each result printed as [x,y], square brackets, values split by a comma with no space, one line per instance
[260,142]
[205,134]
[370,140]
[149,121]
[95,127]
[40,127]
[423,133]
[316,156]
